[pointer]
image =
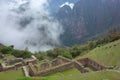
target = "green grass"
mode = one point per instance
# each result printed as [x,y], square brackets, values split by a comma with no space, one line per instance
[106,55]
[70,74]
[11,75]
[103,75]
[73,74]
[9,57]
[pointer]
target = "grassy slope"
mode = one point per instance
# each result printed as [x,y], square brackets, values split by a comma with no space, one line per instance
[108,55]
[11,75]
[74,74]
[103,75]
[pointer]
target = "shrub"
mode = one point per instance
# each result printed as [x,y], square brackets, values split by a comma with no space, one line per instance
[22,53]
[7,50]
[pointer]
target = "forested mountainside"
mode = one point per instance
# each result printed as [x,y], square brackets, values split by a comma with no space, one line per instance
[87,19]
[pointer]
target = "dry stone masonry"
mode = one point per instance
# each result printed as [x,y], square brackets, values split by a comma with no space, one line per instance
[16,63]
[61,64]
[31,68]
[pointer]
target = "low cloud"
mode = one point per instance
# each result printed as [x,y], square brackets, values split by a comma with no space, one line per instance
[28,23]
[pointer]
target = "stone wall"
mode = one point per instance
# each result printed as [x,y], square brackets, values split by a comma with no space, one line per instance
[32,70]
[16,63]
[2,55]
[83,61]
[13,61]
[25,71]
[3,67]
[44,66]
[62,67]
[33,61]
[57,69]
[60,60]
[91,63]
[58,64]
[95,65]
[80,67]
[8,68]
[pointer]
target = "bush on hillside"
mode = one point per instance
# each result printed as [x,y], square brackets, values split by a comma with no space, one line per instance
[6,50]
[40,55]
[22,53]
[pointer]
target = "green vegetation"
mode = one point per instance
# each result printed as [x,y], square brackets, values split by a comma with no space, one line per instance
[29,78]
[74,74]
[17,53]
[107,55]
[65,75]
[104,50]
[21,53]
[103,75]
[79,50]
[6,50]
[11,75]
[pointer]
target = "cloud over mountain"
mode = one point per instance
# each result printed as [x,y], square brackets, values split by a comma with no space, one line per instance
[28,23]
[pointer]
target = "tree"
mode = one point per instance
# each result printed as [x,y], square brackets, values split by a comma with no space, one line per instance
[75,51]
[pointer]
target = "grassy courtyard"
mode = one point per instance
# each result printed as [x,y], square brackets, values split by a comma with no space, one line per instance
[71,74]
[74,74]
[11,75]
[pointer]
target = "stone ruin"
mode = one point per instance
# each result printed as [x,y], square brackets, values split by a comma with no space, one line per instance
[61,64]
[16,63]
[87,62]
[13,61]
[44,66]
[47,67]
[60,60]
[2,56]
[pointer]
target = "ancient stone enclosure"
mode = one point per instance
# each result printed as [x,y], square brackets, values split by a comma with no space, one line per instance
[32,67]
[16,63]
[61,64]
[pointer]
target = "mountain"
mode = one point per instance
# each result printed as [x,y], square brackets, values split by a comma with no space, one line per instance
[55,4]
[88,18]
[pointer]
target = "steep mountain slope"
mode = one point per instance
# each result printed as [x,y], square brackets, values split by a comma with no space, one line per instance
[88,18]
[107,55]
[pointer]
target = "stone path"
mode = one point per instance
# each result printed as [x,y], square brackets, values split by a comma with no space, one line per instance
[25,71]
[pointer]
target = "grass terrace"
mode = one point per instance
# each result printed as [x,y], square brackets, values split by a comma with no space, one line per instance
[74,74]
[65,75]
[11,75]
[9,57]
[108,55]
